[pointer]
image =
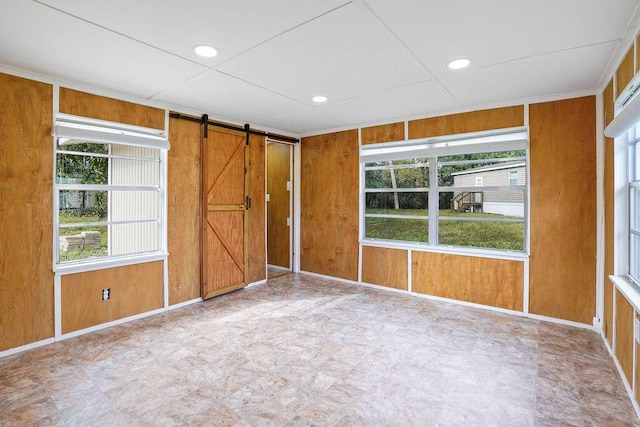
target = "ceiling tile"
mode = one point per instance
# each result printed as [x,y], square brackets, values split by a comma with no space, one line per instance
[403,102]
[496,31]
[74,50]
[225,97]
[564,72]
[343,54]
[232,26]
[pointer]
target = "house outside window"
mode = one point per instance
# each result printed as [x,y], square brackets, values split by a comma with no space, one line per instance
[453,192]
[109,185]
[513,177]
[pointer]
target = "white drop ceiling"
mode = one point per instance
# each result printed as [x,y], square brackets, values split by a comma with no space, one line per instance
[376,60]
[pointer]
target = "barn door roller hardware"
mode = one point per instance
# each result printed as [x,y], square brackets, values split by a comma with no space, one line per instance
[202,119]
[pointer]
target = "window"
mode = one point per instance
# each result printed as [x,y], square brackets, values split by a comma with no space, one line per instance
[634,203]
[109,190]
[513,178]
[447,191]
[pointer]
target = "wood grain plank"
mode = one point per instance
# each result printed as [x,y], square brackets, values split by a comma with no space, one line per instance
[492,282]
[183,195]
[608,100]
[473,121]
[383,133]
[625,71]
[624,335]
[26,204]
[329,204]
[114,110]
[135,289]
[563,209]
[385,267]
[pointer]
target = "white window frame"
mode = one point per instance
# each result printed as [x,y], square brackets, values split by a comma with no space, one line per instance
[74,127]
[632,142]
[475,142]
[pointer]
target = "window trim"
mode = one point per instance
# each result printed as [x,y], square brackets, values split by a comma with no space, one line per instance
[75,127]
[505,140]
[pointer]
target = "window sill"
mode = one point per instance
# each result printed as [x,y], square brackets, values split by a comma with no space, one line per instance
[452,250]
[81,267]
[626,287]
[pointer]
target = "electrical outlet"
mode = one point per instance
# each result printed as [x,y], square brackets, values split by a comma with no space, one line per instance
[106,294]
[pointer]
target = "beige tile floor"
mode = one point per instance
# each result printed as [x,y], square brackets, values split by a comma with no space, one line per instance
[303,351]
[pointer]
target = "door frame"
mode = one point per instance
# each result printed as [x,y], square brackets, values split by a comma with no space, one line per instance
[294,202]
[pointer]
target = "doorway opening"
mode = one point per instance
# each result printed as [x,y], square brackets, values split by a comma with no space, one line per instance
[279,166]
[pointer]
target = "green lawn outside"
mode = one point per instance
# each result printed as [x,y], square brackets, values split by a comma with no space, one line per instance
[479,234]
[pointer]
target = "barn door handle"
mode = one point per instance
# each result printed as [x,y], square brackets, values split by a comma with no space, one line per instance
[248,205]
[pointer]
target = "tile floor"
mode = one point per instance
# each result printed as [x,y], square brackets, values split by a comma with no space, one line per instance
[303,351]
[273,272]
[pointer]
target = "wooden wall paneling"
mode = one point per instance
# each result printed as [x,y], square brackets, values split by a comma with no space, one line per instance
[432,274]
[609,212]
[473,121]
[134,289]
[257,263]
[624,335]
[184,214]
[492,282]
[329,204]
[608,100]
[385,267]
[625,71]
[563,209]
[103,108]
[383,133]
[26,226]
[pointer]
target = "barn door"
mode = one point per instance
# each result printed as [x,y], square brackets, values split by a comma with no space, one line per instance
[225,204]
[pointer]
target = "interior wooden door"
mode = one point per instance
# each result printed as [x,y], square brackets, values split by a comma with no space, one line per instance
[279,205]
[225,203]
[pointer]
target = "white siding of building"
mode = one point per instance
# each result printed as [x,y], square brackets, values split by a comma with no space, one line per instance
[509,203]
[134,205]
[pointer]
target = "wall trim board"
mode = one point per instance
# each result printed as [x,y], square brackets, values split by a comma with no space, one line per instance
[112,323]
[108,264]
[600,226]
[335,279]
[505,256]
[125,320]
[448,112]
[258,283]
[562,322]
[184,303]
[458,302]
[628,388]
[27,347]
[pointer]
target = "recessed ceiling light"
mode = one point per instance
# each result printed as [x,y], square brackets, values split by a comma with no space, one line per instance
[205,50]
[320,99]
[457,64]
